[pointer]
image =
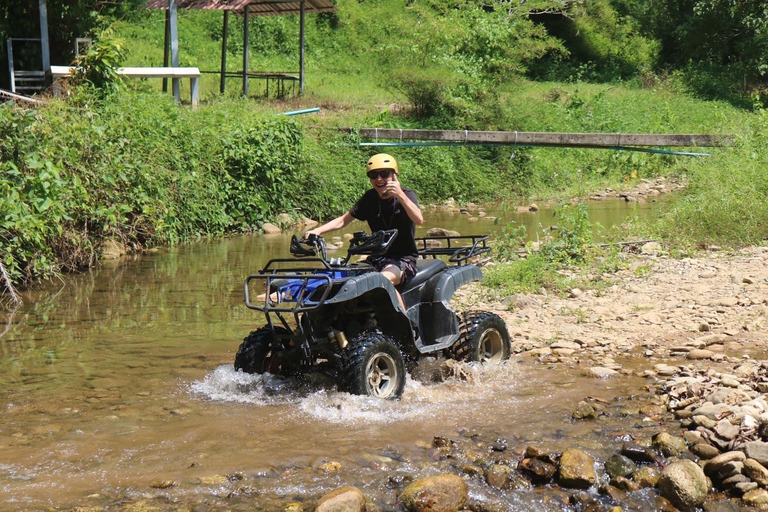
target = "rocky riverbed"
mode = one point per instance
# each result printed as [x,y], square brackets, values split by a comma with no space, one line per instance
[695,328]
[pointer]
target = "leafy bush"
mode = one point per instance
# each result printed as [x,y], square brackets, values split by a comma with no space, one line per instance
[137,169]
[98,66]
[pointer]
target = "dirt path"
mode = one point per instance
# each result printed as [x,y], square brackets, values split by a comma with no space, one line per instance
[712,307]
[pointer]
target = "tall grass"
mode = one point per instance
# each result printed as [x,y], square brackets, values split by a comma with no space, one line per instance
[726,201]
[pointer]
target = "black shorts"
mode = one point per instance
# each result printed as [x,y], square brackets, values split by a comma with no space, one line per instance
[406,265]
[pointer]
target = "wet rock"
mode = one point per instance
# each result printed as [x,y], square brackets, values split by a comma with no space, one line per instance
[577,469]
[213,480]
[399,479]
[498,476]
[442,493]
[684,484]
[669,445]
[162,484]
[625,484]
[330,466]
[756,498]
[646,476]
[584,411]
[345,499]
[619,465]
[539,471]
[533,452]
[638,453]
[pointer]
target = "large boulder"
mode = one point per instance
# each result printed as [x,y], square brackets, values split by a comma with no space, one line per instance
[344,499]
[442,493]
[442,232]
[270,229]
[684,484]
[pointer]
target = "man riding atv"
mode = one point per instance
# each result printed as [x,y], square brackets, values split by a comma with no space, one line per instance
[386,206]
[361,321]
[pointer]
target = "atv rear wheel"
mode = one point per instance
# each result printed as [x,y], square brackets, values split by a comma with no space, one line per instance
[256,354]
[373,365]
[484,338]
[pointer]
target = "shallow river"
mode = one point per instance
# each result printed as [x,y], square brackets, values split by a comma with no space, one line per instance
[117,383]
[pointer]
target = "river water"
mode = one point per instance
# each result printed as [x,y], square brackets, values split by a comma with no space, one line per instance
[117,392]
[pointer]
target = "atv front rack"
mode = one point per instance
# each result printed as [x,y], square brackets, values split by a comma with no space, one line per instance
[290,293]
[297,288]
[459,249]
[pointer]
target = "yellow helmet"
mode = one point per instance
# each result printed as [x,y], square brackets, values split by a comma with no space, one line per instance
[380,162]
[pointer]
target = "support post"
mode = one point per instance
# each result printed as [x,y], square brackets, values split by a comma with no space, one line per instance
[301,47]
[224,30]
[167,46]
[46,50]
[176,82]
[246,13]
[10,65]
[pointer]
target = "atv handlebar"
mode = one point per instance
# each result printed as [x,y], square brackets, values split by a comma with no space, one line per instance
[374,244]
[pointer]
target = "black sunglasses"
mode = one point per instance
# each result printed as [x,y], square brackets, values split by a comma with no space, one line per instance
[379,174]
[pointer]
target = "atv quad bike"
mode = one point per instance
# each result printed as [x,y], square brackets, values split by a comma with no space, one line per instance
[344,318]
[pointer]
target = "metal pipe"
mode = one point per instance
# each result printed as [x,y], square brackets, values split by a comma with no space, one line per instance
[299,112]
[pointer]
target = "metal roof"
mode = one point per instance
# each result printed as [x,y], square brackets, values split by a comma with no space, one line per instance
[257,7]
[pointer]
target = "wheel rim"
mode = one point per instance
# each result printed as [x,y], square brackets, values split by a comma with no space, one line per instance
[491,347]
[381,375]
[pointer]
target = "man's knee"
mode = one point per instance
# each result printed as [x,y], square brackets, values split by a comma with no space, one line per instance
[393,273]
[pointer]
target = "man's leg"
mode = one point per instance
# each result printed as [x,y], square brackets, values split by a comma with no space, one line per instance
[395,275]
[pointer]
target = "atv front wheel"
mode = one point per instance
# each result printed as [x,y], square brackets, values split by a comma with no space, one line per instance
[256,354]
[484,338]
[373,365]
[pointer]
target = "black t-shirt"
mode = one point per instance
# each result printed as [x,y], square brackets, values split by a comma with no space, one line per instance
[384,214]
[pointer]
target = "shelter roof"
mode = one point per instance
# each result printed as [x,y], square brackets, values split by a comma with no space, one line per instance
[257,7]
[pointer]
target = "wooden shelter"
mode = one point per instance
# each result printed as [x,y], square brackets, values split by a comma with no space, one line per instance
[246,8]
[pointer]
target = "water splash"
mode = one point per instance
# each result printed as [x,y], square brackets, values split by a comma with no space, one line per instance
[434,387]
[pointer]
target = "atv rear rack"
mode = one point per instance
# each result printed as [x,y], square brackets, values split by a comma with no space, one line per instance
[470,246]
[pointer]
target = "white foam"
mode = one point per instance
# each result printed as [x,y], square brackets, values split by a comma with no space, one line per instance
[437,387]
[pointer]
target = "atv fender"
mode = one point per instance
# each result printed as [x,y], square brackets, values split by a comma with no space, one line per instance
[438,321]
[380,291]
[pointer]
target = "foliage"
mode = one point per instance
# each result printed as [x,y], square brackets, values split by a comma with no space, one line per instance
[730,33]
[604,45]
[539,265]
[724,202]
[98,66]
[573,236]
[136,169]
